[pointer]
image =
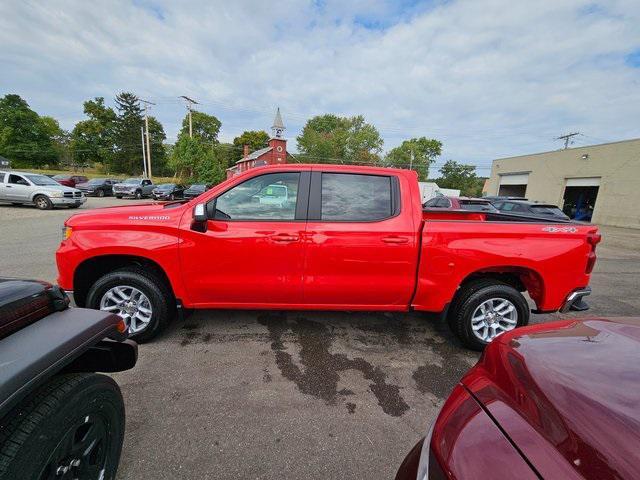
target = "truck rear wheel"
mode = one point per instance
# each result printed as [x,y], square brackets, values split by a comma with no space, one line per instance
[485,309]
[141,298]
[71,427]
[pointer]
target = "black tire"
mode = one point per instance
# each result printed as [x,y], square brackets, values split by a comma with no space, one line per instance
[42,202]
[158,293]
[16,204]
[138,194]
[118,196]
[77,408]
[100,193]
[471,296]
[172,197]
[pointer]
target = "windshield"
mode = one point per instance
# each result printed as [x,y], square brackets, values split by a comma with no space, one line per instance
[166,186]
[41,180]
[132,181]
[97,181]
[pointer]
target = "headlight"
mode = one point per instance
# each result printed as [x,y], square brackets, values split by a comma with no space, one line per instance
[66,232]
[56,194]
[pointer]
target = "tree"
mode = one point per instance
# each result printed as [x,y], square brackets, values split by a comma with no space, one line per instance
[127,140]
[92,139]
[459,176]
[24,137]
[331,138]
[424,151]
[256,139]
[205,127]
[60,138]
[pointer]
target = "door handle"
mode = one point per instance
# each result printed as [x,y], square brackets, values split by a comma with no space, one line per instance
[8,186]
[283,237]
[394,239]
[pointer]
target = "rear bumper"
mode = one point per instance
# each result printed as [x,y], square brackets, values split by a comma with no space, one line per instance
[575,300]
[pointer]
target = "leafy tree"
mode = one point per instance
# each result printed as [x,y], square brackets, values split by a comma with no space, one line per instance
[24,137]
[335,139]
[459,176]
[205,127]
[256,139]
[60,138]
[213,165]
[424,151]
[92,139]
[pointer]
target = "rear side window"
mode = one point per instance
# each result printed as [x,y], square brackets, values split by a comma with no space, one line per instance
[355,198]
[548,210]
[1,177]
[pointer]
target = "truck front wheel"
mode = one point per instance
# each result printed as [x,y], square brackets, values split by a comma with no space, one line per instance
[141,298]
[71,427]
[485,309]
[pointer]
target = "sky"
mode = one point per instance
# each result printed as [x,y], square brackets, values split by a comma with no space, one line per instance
[489,79]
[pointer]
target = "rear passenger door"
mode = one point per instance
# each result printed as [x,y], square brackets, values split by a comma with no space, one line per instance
[361,247]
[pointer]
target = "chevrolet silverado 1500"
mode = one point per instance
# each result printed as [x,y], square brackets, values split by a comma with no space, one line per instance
[343,238]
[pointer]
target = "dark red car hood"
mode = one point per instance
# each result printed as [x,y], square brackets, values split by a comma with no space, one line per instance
[568,395]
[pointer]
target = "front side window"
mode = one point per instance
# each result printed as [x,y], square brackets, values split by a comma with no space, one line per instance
[17,180]
[1,177]
[355,198]
[266,197]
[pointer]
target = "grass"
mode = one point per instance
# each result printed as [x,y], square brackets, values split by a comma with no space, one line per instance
[93,173]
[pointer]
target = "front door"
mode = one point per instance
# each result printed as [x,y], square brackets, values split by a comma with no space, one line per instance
[361,251]
[17,188]
[252,251]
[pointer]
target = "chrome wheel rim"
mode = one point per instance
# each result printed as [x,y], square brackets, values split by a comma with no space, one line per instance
[41,202]
[130,304]
[493,317]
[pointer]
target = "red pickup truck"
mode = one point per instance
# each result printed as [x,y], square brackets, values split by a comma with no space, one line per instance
[324,237]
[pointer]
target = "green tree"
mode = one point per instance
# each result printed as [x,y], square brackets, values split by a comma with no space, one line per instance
[459,176]
[329,138]
[205,127]
[24,137]
[424,151]
[127,139]
[92,139]
[256,139]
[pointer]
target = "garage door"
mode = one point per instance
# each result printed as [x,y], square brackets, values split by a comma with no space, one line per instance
[514,185]
[583,182]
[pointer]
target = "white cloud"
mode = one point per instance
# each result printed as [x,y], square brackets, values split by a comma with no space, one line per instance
[490,78]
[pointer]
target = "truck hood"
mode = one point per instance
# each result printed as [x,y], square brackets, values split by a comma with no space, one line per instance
[567,390]
[150,213]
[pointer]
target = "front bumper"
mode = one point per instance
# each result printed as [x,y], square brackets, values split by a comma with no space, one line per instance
[125,193]
[68,201]
[575,300]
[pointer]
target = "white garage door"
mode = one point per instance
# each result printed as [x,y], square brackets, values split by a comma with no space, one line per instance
[514,179]
[583,182]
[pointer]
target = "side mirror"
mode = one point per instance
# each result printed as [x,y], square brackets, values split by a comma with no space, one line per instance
[200,213]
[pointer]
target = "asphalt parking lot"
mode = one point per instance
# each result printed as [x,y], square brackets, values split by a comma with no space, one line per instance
[271,395]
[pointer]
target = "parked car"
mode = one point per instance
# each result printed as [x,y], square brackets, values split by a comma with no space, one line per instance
[347,238]
[167,191]
[491,198]
[461,203]
[39,190]
[195,190]
[134,187]
[70,180]
[58,418]
[98,187]
[542,402]
[525,207]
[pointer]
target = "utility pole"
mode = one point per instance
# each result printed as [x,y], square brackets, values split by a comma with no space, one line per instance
[566,138]
[144,154]
[411,160]
[190,103]
[146,126]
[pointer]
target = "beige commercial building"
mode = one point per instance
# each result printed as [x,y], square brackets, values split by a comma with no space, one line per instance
[600,183]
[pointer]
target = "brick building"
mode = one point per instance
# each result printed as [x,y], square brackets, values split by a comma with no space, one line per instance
[274,154]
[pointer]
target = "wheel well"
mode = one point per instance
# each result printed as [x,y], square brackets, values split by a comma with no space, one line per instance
[521,278]
[89,271]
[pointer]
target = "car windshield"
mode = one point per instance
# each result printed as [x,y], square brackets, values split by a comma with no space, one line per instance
[132,181]
[97,181]
[166,186]
[41,180]
[477,206]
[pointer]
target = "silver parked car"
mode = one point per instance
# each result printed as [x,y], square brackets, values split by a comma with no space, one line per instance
[133,187]
[39,190]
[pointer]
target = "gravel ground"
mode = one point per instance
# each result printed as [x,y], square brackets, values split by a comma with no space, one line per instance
[270,395]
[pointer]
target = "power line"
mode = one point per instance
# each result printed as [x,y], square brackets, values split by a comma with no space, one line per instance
[190,103]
